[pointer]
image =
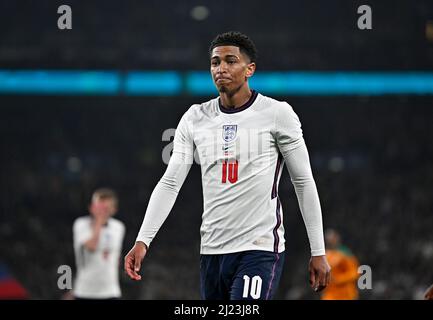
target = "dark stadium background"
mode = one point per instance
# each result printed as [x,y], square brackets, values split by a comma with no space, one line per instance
[372,155]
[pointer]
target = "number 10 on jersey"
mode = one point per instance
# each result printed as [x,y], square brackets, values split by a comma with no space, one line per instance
[229,171]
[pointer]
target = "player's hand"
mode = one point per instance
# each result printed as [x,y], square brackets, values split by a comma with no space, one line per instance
[100,220]
[320,273]
[428,295]
[133,260]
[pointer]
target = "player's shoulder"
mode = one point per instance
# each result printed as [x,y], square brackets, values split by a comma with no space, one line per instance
[82,221]
[116,223]
[274,104]
[199,110]
[281,110]
[345,250]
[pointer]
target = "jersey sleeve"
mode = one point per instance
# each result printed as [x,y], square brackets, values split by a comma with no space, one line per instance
[122,230]
[292,146]
[165,193]
[288,131]
[81,233]
[183,139]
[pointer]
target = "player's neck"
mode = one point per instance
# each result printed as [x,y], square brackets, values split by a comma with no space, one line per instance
[237,99]
[104,223]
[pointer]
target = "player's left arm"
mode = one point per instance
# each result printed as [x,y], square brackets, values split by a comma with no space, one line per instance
[292,146]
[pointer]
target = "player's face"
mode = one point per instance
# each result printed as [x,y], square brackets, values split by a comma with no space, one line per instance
[332,239]
[103,208]
[230,68]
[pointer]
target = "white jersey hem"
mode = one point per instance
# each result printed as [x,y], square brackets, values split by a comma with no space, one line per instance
[206,251]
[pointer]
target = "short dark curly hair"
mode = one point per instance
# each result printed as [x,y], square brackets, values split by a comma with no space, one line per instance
[237,39]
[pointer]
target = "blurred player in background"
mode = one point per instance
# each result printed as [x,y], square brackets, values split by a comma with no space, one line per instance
[98,242]
[242,234]
[344,269]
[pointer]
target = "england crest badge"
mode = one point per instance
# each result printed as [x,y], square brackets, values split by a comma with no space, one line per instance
[229,132]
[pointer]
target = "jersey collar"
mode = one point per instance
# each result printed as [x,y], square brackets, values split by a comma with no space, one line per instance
[246,105]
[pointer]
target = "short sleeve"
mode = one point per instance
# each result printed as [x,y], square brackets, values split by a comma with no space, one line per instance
[123,230]
[81,232]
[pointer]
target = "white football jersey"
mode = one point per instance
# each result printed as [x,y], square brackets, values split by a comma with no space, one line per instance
[241,153]
[98,272]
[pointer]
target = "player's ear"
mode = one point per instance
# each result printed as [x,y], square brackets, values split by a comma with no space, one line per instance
[114,207]
[251,68]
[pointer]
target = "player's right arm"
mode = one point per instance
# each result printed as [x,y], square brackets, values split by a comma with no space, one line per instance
[84,236]
[163,196]
[92,243]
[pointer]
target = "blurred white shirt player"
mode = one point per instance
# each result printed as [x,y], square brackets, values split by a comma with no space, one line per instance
[98,242]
